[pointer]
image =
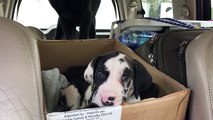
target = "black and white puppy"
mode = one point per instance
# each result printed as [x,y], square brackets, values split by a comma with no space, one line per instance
[109,80]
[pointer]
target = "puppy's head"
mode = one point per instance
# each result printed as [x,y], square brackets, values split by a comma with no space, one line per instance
[114,77]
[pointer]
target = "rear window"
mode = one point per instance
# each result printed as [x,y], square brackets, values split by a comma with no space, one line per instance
[40,14]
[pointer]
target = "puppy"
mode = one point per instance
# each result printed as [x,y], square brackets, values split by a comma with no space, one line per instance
[109,80]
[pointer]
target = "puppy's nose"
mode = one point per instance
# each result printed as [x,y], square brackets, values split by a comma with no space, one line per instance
[111,98]
[108,101]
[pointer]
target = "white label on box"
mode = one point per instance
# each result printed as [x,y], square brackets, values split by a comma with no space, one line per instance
[104,113]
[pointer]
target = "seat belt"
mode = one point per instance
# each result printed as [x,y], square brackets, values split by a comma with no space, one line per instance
[1,8]
[142,11]
[18,6]
[114,2]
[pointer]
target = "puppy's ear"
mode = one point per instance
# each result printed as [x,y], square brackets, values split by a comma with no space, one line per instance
[90,70]
[142,78]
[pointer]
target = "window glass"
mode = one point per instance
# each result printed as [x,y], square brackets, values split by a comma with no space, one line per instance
[212,9]
[158,8]
[40,14]
[37,13]
[105,15]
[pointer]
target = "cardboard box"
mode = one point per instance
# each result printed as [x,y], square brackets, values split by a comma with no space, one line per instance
[173,100]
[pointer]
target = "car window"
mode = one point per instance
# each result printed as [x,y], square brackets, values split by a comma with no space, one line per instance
[212,9]
[37,13]
[158,8]
[40,14]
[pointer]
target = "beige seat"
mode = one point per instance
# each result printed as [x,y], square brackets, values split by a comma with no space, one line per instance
[199,63]
[21,95]
[38,34]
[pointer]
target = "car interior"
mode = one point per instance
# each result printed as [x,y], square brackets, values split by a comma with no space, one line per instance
[138,28]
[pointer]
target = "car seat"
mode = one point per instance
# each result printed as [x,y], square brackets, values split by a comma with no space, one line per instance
[199,65]
[21,96]
[38,34]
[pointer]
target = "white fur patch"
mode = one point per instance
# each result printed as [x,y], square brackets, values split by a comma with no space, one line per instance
[72,97]
[88,73]
[132,99]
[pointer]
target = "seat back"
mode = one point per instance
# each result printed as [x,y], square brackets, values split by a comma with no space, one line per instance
[199,65]
[21,95]
[38,34]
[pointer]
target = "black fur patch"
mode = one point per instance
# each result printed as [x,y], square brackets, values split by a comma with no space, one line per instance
[121,60]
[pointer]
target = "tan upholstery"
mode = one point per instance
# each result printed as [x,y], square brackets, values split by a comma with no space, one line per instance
[38,34]
[199,63]
[21,95]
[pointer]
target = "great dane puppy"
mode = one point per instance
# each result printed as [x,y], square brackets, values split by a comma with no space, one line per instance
[74,13]
[109,80]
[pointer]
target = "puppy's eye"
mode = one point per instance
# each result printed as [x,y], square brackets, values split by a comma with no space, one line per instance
[125,76]
[101,75]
